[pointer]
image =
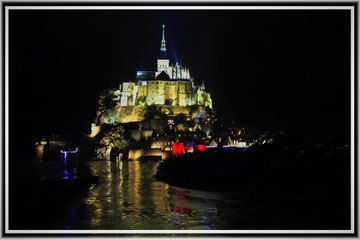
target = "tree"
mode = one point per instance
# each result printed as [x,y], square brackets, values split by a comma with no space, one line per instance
[105,104]
[113,138]
[111,116]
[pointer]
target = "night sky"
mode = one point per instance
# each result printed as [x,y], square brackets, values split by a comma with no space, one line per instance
[286,70]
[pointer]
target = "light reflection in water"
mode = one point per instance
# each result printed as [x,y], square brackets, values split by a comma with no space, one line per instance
[134,183]
[39,152]
[128,197]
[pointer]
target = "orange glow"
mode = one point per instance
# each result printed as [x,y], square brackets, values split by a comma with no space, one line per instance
[189,149]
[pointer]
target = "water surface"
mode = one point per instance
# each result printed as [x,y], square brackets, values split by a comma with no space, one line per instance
[128,197]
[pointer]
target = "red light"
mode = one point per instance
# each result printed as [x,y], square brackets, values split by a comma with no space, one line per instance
[200,147]
[178,148]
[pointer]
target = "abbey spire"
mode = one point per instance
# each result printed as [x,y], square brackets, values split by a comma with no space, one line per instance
[163,61]
[163,46]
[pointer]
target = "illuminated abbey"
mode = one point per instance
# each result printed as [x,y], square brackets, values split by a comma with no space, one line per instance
[170,85]
[170,89]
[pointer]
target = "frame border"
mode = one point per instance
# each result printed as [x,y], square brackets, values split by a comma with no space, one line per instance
[182,5]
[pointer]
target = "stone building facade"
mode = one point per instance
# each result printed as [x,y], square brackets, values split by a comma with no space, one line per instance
[168,85]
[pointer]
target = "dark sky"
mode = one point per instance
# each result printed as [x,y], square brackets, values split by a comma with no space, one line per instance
[268,69]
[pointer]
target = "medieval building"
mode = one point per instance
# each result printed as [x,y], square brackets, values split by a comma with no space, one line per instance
[168,85]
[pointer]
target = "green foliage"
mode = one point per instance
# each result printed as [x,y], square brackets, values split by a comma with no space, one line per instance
[111,116]
[114,137]
[110,137]
[105,104]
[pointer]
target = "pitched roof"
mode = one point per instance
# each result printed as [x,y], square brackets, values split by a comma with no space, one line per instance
[163,76]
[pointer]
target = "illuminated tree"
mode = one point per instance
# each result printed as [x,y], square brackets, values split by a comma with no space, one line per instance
[105,104]
[111,116]
[113,138]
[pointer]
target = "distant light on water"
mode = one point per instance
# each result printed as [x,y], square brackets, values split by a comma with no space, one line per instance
[227,146]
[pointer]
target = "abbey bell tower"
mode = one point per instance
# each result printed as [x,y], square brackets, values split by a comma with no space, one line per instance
[163,61]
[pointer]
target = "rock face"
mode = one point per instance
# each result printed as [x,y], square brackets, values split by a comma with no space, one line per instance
[130,114]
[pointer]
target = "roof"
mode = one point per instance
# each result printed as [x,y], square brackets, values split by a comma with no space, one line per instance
[163,76]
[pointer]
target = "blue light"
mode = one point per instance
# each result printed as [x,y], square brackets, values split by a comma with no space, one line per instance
[140,73]
[66,175]
[206,227]
[211,146]
[200,115]
[227,146]
[175,57]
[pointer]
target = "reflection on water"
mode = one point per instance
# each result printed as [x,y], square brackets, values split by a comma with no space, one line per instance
[128,197]
[39,152]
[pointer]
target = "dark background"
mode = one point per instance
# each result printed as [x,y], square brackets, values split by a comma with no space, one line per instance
[268,70]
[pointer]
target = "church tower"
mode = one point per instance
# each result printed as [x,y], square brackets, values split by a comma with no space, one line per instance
[163,61]
[163,44]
